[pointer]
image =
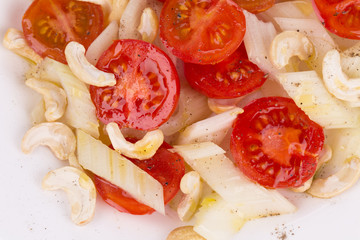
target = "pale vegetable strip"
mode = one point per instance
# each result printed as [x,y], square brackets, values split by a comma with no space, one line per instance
[257,39]
[217,219]
[309,93]
[110,165]
[211,129]
[221,174]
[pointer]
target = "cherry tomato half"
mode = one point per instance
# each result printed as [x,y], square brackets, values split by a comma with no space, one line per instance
[234,77]
[255,6]
[48,25]
[147,88]
[275,143]
[339,16]
[202,32]
[166,167]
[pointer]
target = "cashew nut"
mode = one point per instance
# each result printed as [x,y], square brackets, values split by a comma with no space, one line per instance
[222,105]
[325,156]
[14,40]
[288,44]
[184,233]
[79,188]
[74,162]
[38,113]
[149,25]
[337,183]
[191,186]
[57,136]
[54,98]
[336,81]
[81,68]
[142,149]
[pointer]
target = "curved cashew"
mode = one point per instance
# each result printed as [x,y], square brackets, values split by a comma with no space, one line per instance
[222,105]
[325,156]
[54,98]
[38,113]
[74,162]
[80,191]
[82,69]
[191,186]
[142,149]
[14,40]
[184,233]
[288,44]
[149,25]
[336,81]
[57,136]
[337,183]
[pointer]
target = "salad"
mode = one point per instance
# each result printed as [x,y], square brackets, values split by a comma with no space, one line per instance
[183,116]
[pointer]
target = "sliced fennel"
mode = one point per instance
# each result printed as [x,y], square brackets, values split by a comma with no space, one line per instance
[102,42]
[309,93]
[217,219]
[110,165]
[198,150]
[80,111]
[212,129]
[289,9]
[226,179]
[257,39]
[192,107]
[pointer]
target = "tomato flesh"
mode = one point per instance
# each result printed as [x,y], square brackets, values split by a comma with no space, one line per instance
[234,77]
[147,88]
[166,167]
[48,25]
[202,32]
[255,6]
[275,143]
[340,17]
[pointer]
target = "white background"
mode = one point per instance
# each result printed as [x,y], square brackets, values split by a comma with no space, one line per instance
[28,212]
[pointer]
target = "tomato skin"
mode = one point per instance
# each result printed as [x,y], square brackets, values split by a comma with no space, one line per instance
[48,25]
[255,6]
[166,167]
[339,17]
[147,88]
[202,32]
[275,143]
[234,77]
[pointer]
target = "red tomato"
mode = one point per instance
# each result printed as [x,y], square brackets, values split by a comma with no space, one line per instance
[48,25]
[202,32]
[275,143]
[255,6]
[339,16]
[234,77]
[147,88]
[166,167]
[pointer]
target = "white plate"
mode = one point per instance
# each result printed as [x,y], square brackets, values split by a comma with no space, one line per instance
[28,212]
